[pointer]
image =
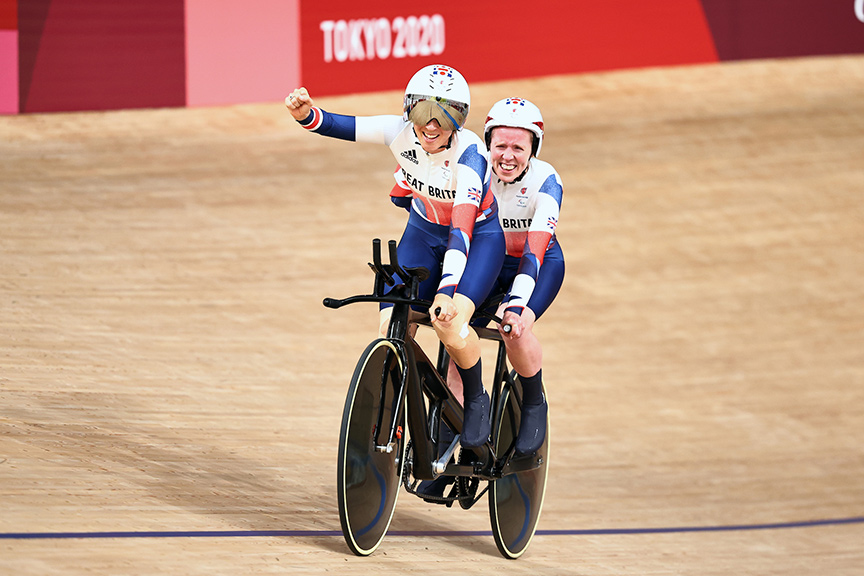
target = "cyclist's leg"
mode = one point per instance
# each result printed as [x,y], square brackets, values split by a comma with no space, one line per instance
[484,262]
[549,281]
[526,357]
[384,321]
[463,346]
[481,271]
[454,382]
[418,247]
[526,354]
[458,337]
[489,306]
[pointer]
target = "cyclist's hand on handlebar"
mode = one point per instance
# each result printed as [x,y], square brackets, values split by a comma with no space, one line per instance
[299,103]
[514,321]
[443,309]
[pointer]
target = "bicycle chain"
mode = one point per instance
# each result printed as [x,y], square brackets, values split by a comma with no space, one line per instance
[406,481]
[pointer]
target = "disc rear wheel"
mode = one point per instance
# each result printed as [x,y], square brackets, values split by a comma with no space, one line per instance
[516,500]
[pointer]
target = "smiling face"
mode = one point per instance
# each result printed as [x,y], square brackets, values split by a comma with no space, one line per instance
[432,137]
[510,151]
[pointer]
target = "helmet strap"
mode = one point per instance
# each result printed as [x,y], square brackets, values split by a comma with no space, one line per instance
[518,178]
[524,172]
[535,144]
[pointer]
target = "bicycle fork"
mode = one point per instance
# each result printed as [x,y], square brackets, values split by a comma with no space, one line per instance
[395,430]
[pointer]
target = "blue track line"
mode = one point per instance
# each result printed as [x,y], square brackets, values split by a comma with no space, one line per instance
[427,533]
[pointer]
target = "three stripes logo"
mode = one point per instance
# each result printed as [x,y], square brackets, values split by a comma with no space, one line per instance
[410,155]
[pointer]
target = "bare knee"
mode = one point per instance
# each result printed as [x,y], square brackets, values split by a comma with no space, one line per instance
[458,337]
[384,321]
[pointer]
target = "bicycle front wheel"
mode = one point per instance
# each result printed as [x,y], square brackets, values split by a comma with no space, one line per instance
[515,500]
[368,478]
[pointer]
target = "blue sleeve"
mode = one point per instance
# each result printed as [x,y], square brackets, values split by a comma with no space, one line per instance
[329,124]
[553,188]
[472,158]
[402,201]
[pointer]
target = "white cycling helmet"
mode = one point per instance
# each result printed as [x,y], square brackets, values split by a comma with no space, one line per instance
[438,92]
[515,113]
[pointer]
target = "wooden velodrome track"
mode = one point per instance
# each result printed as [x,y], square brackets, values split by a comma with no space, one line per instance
[171,386]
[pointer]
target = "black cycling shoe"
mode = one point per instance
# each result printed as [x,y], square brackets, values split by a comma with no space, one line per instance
[434,488]
[477,426]
[532,429]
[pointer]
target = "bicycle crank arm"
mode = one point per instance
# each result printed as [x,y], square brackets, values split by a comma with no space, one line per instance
[441,464]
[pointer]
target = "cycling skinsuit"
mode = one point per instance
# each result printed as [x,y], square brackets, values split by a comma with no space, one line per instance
[453,228]
[534,267]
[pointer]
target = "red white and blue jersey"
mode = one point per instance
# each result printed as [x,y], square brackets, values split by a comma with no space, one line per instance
[528,211]
[449,188]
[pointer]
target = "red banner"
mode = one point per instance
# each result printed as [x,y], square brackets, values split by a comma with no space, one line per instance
[782,28]
[105,54]
[350,46]
[8,14]
[101,54]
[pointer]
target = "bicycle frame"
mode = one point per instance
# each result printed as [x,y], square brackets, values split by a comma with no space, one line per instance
[421,379]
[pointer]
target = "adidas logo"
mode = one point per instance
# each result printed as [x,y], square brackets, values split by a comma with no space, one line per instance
[410,155]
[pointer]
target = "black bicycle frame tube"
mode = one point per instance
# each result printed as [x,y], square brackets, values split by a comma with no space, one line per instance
[501,375]
[449,408]
[417,420]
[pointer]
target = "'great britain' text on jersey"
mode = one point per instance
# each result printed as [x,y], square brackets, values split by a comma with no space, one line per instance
[516,222]
[431,190]
[457,175]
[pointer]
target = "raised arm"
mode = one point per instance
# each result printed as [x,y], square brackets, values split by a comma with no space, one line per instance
[374,129]
[299,103]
